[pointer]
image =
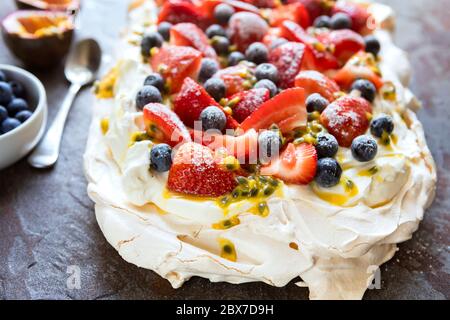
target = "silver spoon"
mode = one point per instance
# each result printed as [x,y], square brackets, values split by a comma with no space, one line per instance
[81,68]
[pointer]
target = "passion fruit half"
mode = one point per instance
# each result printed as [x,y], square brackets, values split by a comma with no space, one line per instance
[50,5]
[40,39]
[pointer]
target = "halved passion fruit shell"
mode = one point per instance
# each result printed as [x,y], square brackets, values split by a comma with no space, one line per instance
[51,5]
[39,38]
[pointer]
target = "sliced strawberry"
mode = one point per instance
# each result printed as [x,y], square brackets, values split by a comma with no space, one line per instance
[287,110]
[195,172]
[163,125]
[176,11]
[192,99]
[236,78]
[248,101]
[176,63]
[315,8]
[316,82]
[295,12]
[347,118]
[246,28]
[289,59]
[360,66]
[188,34]
[359,14]
[346,43]
[296,164]
[272,35]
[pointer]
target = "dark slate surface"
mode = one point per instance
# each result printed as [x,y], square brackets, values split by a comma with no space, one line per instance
[47,221]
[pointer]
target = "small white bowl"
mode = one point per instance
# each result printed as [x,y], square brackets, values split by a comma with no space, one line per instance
[15,144]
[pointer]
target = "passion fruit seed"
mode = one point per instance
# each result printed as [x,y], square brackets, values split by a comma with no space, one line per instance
[263,208]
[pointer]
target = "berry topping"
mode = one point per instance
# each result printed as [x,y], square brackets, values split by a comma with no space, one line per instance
[148,94]
[267,84]
[346,43]
[326,145]
[328,172]
[216,88]
[221,45]
[9,124]
[383,123]
[358,14]
[296,164]
[24,115]
[164,30]
[161,157]
[235,57]
[175,63]
[237,78]
[364,148]
[366,88]
[372,45]
[213,118]
[223,13]
[6,93]
[195,171]
[188,34]
[294,12]
[269,144]
[208,68]
[215,30]
[267,71]
[176,11]
[156,80]
[315,8]
[316,102]
[16,105]
[287,110]
[246,28]
[149,41]
[257,52]
[163,125]
[315,82]
[341,21]
[346,119]
[322,22]
[246,102]
[17,89]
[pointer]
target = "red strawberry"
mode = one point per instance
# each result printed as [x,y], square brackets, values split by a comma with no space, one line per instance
[248,102]
[176,63]
[191,100]
[289,59]
[246,28]
[188,34]
[346,43]
[287,110]
[164,125]
[295,12]
[359,14]
[316,82]
[195,171]
[296,164]
[360,66]
[347,118]
[176,11]
[263,3]
[315,8]
[236,78]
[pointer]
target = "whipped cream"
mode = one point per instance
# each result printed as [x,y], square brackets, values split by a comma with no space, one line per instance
[331,238]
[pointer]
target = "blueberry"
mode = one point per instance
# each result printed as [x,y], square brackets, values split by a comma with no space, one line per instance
[322,22]
[364,148]
[278,42]
[2,76]
[257,53]
[6,93]
[267,71]
[3,113]
[161,157]
[265,83]
[367,89]
[341,21]
[372,45]
[235,57]
[16,105]
[215,30]
[213,118]
[24,115]
[156,80]
[327,146]
[208,68]
[221,44]
[382,123]
[148,94]
[17,89]
[269,143]
[216,88]
[149,41]
[316,102]
[328,172]
[164,30]
[223,12]
[9,124]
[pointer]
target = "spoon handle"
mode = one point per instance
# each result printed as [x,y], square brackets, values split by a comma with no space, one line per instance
[46,153]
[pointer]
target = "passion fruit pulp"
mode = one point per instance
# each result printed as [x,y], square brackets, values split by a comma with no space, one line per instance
[51,5]
[40,39]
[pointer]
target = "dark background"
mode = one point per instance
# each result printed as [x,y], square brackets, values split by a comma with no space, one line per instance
[47,221]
